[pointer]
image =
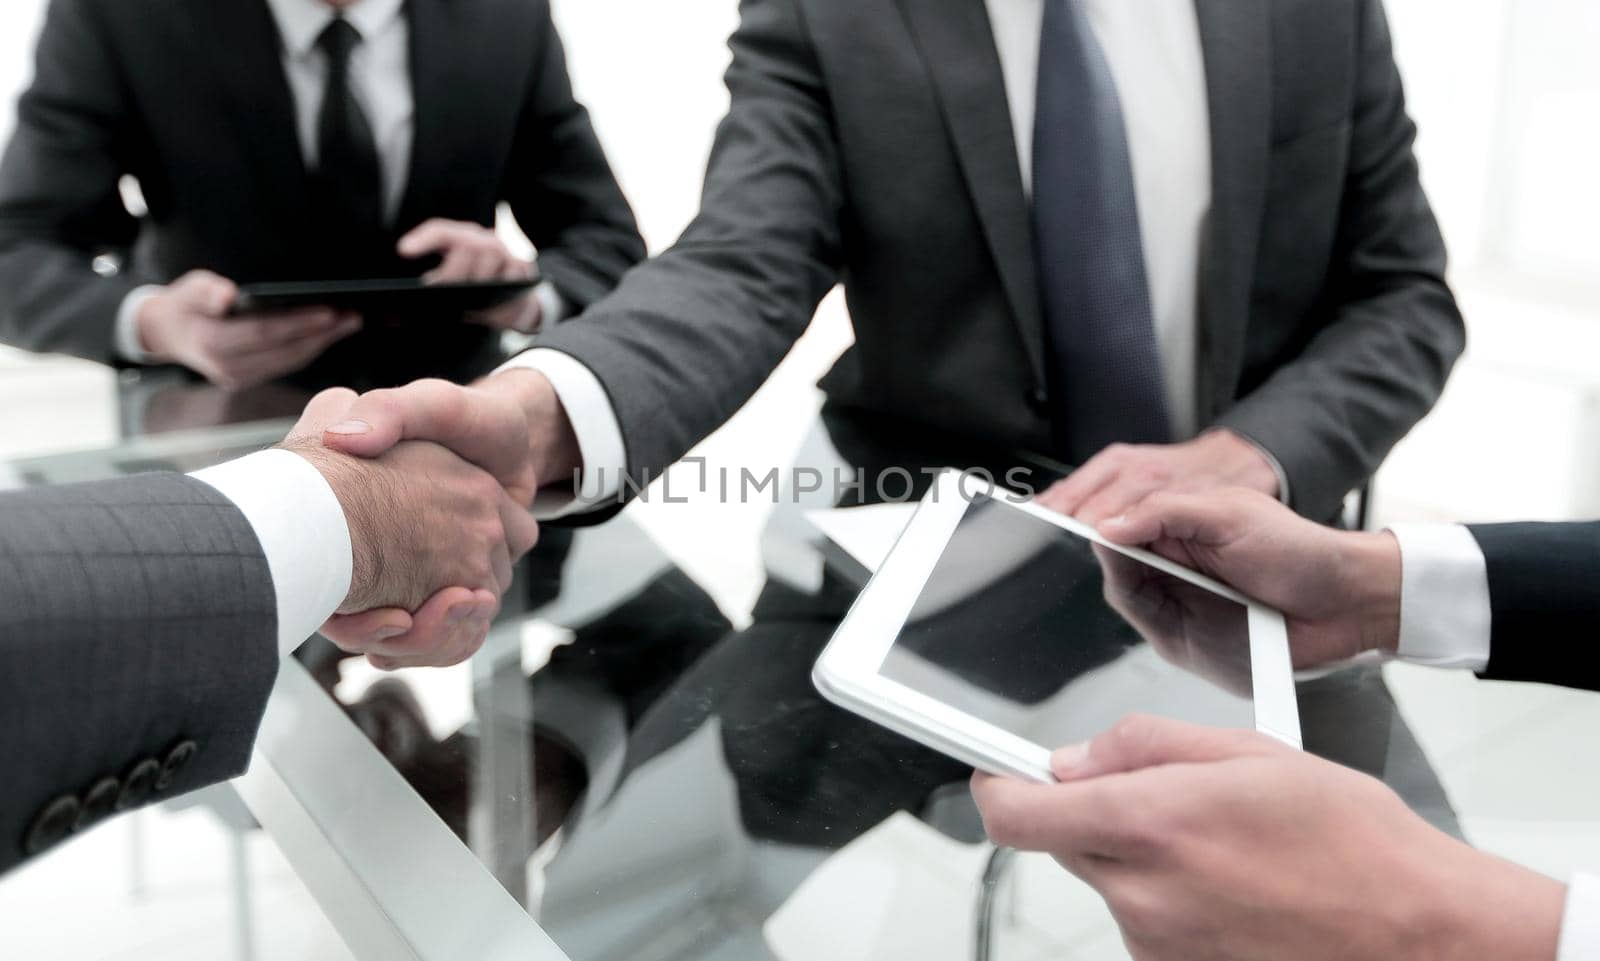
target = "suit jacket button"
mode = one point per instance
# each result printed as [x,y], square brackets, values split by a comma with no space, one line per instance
[139,783]
[52,825]
[1039,400]
[98,803]
[177,760]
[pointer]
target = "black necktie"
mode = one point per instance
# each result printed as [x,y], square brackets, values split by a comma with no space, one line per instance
[348,181]
[1106,380]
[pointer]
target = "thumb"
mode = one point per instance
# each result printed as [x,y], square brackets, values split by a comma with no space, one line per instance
[1140,741]
[325,408]
[376,422]
[207,293]
[429,237]
[480,430]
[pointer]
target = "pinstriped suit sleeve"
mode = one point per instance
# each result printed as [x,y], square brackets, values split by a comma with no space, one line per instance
[135,615]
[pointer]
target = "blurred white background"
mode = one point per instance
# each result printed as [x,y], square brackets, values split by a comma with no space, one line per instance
[1507,94]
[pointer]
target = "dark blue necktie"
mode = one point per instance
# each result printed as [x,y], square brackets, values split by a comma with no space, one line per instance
[1106,380]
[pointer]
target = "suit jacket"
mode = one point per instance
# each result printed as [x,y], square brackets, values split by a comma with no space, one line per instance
[190,98]
[868,142]
[138,643]
[1544,599]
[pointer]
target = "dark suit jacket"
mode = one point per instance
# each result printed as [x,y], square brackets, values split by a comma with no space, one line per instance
[869,142]
[138,643]
[190,98]
[1544,597]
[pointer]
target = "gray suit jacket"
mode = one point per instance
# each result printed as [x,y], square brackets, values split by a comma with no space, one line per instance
[868,142]
[138,643]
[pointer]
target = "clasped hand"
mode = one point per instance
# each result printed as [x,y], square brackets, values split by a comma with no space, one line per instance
[434,533]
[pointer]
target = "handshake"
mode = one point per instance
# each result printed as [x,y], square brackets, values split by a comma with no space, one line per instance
[436,482]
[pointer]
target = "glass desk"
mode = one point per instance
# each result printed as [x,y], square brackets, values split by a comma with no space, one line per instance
[637,766]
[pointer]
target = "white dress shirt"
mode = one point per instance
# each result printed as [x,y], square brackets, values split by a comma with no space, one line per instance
[380,80]
[1153,47]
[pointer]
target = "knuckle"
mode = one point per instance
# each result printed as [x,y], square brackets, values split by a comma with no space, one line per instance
[1001,818]
[1132,732]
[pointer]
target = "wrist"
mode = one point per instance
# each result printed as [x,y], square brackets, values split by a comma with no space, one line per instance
[554,452]
[1243,463]
[1483,906]
[366,559]
[1370,567]
[149,324]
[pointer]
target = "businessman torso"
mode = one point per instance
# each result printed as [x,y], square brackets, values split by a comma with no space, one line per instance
[871,143]
[190,98]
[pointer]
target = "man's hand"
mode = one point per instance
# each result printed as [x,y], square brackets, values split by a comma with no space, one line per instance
[474,252]
[1211,845]
[511,425]
[423,524]
[1338,590]
[187,323]
[1123,474]
[1190,627]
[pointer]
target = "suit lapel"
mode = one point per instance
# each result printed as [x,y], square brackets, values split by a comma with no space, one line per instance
[247,65]
[432,71]
[1236,38]
[957,45]
[459,97]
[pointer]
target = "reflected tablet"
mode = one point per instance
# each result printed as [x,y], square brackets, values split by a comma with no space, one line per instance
[389,299]
[997,630]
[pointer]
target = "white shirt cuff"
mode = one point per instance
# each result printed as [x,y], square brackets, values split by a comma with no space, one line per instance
[1580,928]
[302,531]
[126,337]
[595,424]
[1445,618]
[553,308]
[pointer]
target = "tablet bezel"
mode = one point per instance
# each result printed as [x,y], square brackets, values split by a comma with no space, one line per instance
[847,672]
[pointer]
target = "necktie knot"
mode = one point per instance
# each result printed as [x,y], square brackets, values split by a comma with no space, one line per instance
[337,41]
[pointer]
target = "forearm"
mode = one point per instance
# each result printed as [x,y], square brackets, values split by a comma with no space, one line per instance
[1332,414]
[1390,330]
[561,187]
[1544,602]
[143,619]
[51,301]
[1370,578]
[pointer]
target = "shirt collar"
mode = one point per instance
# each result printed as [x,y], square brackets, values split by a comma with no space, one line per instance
[301,22]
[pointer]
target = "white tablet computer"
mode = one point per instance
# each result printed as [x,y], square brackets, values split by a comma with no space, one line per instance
[997,630]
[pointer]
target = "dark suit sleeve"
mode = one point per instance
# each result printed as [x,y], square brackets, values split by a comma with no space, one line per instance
[561,188]
[690,335]
[138,644]
[59,198]
[1378,366]
[1544,599]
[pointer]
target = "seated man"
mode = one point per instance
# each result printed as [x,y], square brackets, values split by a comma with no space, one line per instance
[142,619]
[1224,844]
[282,140]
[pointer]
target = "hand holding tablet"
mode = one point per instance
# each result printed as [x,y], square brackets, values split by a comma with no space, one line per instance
[995,631]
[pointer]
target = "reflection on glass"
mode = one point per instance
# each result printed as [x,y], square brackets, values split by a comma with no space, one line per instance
[1042,634]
